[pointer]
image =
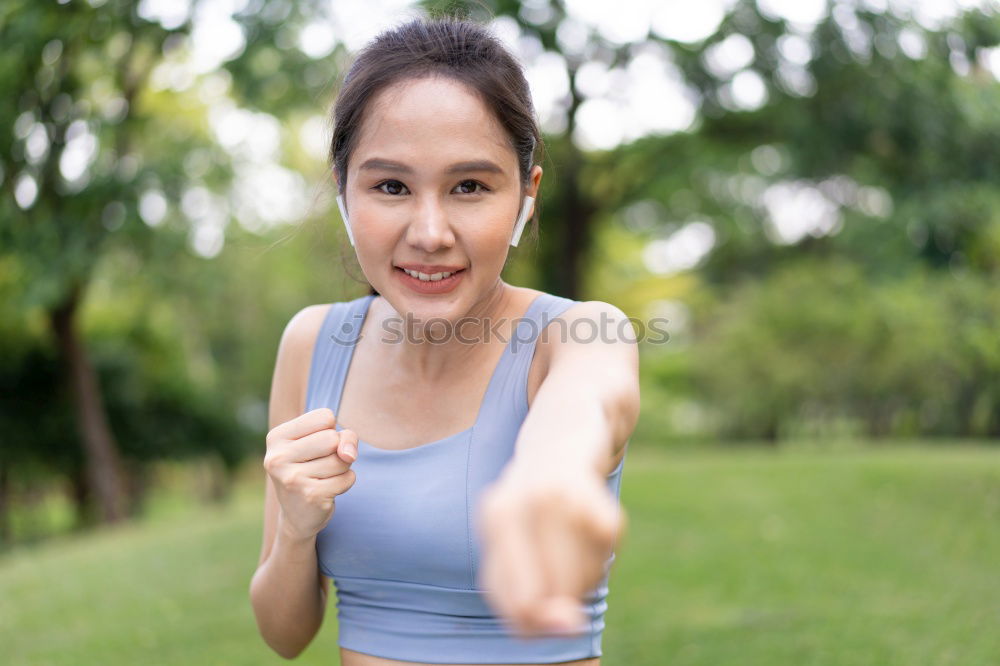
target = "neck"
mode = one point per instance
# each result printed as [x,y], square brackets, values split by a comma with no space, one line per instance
[432,347]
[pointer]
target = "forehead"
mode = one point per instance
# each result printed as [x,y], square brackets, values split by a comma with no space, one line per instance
[432,121]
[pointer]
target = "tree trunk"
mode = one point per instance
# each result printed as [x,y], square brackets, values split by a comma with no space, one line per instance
[577,228]
[137,481]
[102,463]
[563,255]
[5,504]
[221,486]
[80,494]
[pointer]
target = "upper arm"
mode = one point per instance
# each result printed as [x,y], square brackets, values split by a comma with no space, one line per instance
[287,400]
[598,352]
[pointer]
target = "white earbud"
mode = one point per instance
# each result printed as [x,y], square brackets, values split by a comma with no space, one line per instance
[521,219]
[343,216]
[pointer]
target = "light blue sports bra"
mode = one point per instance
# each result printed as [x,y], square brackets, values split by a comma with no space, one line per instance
[401,546]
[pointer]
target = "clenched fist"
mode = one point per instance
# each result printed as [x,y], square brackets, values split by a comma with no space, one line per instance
[309,462]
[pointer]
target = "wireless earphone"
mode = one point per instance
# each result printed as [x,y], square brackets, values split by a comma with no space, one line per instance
[522,217]
[343,216]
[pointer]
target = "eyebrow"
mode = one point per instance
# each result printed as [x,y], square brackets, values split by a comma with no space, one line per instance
[377,163]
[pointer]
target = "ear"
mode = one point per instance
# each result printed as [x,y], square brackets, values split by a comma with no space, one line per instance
[534,181]
[528,203]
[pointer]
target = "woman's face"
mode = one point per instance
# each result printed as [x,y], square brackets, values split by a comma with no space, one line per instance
[433,184]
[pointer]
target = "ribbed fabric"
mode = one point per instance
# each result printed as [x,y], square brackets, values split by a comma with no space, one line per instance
[401,546]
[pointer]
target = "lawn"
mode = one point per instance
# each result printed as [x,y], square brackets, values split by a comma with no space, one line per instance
[751,556]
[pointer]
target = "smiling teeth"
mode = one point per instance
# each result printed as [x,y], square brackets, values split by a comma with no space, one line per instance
[433,277]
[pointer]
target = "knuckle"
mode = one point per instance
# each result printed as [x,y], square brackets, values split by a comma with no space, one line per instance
[272,463]
[521,611]
[348,438]
[623,524]
[347,479]
[288,479]
[606,531]
[310,495]
[328,416]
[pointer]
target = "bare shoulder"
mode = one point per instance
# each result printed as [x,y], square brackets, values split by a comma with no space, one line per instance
[589,325]
[594,310]
[301,330]
[588,340]
[296,349]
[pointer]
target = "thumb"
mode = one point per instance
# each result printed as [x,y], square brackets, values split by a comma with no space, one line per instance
[347,449]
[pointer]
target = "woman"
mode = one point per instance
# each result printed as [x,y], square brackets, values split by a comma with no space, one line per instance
[491,544]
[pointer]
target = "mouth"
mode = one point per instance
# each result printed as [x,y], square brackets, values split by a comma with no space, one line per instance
[434,283]
[429,277]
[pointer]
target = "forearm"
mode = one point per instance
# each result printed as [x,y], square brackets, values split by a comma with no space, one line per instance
[286,596]
[569,426]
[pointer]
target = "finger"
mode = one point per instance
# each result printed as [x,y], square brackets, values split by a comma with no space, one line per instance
[552,530]
[336,485]
[577,539]
[348,447]
[563,615]
[515,574]
[324,468]
[599,526]
[314,446]
[597,516]
[308,423]
[564,558]
[609,519]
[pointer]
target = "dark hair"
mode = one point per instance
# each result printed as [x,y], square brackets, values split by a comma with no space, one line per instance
[458,48]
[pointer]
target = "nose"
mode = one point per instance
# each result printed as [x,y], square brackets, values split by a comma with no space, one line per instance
[429,228]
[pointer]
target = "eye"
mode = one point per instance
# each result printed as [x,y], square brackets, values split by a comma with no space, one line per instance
[391,187]
[469,187]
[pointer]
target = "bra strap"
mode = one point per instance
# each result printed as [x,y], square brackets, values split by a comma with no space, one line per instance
[512,375]
[332,352]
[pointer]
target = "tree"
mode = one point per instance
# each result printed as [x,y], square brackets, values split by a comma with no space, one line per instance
[852,113]
[83,152]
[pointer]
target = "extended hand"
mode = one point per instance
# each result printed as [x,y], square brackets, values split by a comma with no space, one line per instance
[545,537]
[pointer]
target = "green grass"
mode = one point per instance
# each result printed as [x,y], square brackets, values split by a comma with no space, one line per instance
[881,556]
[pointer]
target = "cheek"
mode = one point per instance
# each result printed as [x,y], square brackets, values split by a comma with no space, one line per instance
[489,236]
[488,250]
[377,226]
[493,224]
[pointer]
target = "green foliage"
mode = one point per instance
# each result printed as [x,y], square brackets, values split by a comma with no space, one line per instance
[155,411]
[818,344]
[87,132]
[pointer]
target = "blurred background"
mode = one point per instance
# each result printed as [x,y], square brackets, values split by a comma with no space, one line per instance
[807,191]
